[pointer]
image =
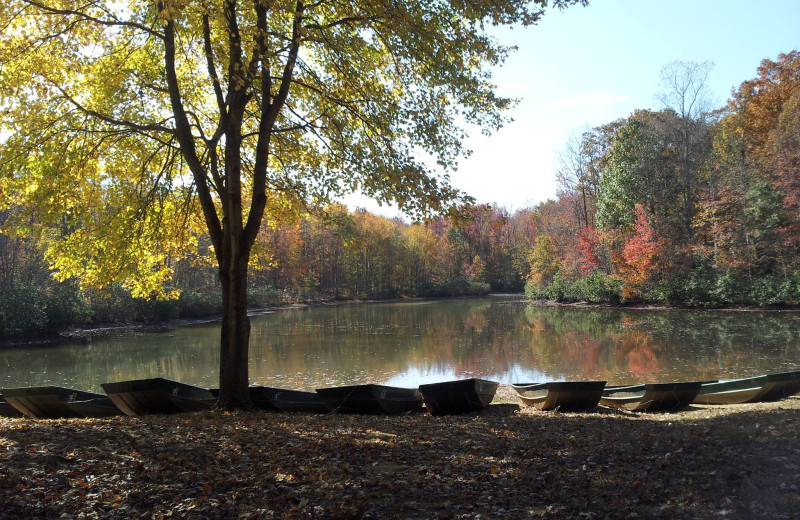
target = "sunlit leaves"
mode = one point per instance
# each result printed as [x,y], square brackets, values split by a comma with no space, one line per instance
[545,261]
[748,213]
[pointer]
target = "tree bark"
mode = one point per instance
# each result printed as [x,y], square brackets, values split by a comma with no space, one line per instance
[235,336]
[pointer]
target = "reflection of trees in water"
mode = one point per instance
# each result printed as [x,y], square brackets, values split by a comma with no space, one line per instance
[642,360]
[308,348]
[646,345]
[372,342]
[188,354]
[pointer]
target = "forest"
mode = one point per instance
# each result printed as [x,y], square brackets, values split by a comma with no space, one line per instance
[688,205]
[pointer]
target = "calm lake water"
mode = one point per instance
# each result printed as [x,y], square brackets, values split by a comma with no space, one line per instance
[502,338]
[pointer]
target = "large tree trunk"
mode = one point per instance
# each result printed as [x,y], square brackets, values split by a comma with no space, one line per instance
[233,363]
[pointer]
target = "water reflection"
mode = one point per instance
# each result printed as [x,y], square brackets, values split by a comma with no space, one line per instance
[407,344]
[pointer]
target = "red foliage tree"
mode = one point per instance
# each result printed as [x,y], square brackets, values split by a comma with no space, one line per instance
[588,249]
[639,256]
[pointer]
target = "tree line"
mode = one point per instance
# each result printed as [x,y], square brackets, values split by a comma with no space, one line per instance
[336,254]
[683,205]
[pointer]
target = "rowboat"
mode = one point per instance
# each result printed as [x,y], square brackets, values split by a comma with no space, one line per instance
[99,406]
[6,410]
[731,391]
[770,387]
[780,385]
[454,397]
[158,395]
[565,396]
[55,402]
[377,399]
[268,398]
[651,397]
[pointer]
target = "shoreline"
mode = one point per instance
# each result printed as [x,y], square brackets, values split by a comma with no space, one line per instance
[86,334]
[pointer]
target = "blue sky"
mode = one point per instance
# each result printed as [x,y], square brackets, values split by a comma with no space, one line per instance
[586,66]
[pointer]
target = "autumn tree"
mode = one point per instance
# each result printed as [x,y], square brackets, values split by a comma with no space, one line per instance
[749,207]
[685,93]
[545,261]
[581,164]
[785,144]
[639,256]
[143,124]
[589,251]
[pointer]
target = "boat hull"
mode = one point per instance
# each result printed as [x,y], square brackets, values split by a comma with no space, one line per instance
[158,395]
[280,399]
[565,396]
[98,407]
[770,387]
[6,410]
[733,391]
[780,385]
[55,402]
[371,399]
[456,397]
[651,397]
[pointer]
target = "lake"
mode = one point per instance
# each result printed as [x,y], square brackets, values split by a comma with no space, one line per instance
[502,338]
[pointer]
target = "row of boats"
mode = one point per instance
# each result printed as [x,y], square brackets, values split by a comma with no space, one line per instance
[164,396]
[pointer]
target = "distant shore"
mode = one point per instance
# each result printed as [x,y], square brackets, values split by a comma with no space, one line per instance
[85,334]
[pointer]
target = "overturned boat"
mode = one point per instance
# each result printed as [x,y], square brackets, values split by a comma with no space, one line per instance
[371,399]
[651,397]
[565,396]
[55,402]
[455,397]
[159,395]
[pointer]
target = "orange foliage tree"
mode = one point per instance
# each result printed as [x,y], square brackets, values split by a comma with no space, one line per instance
[639,256]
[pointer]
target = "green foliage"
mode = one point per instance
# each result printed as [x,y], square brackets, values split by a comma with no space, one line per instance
[22,311]
[265,297]
[620,182]
[459,286]
[29,310]
[593,288]
[600,288]
[699,289]
[197,303]
[117,306]
[66,307]
[770,290]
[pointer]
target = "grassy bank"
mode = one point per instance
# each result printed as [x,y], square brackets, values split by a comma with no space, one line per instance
[739,461]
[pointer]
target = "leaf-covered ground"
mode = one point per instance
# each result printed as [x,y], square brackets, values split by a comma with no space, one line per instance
[717,462]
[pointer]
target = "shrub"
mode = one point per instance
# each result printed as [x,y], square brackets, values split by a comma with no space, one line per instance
[770,290]
[197,303]
[600,288]
[264,297]
[41,309]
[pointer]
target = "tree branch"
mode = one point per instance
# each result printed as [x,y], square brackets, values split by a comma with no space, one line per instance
[111,120]
[269,115]
[212,71]
[86,17]
[183,132]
